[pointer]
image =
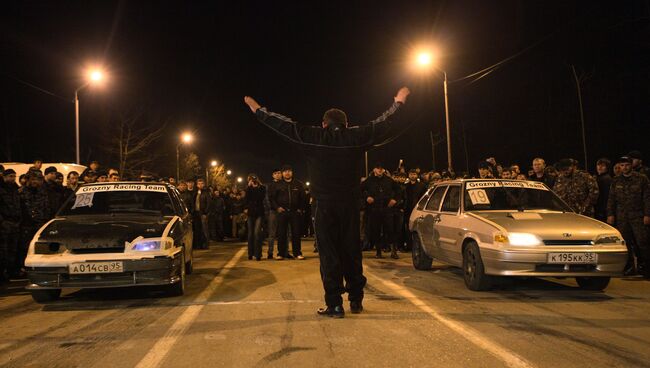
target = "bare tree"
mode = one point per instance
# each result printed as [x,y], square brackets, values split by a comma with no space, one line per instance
[131,142]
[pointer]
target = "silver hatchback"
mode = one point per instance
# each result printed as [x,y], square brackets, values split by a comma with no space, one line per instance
[496,227]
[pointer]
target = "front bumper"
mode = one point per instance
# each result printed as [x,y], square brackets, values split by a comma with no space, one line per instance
[534,263]
[141,272]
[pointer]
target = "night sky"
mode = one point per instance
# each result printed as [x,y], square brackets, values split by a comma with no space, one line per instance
[189,64]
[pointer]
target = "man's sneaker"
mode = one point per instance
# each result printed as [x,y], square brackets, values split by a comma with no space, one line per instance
[334,312]
[278,258]
[356,307]
[300,257]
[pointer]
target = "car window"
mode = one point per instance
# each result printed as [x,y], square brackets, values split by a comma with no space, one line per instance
[436,198]
[423,200]
[452,199]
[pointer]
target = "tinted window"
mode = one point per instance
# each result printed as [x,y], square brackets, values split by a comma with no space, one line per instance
[436,198]
[111,202]
[452,200]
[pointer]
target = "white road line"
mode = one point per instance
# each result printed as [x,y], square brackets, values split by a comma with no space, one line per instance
[508,357]
[160,349]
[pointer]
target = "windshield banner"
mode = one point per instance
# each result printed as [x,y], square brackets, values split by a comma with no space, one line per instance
[122,188]
[506,184]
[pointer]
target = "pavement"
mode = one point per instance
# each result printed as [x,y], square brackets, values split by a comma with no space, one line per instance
[241,313]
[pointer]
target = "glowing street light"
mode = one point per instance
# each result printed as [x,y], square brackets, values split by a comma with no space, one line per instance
[229,172]
[307,183]
[424,60]
[240,179]
[186,138]
[93,77]
[213,163]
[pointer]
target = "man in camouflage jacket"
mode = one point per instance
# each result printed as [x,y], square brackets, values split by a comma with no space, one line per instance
[578,189]
[35,207]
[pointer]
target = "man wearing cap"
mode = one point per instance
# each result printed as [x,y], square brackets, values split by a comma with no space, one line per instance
[628,208]
[380,192]
[604,180]
[289,200]
[334,158]
[415,189]
[637,163]
[55,191]
[577,188]
[272,215]
[10,218]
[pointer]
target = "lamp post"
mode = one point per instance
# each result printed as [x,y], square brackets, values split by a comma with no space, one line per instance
[94,76]
[213,163]
[185,138]
[425,60]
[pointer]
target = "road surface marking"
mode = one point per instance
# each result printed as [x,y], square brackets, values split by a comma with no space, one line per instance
[164,345]
[509,358]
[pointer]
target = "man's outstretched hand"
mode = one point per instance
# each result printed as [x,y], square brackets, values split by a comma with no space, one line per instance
[402,94]
[252,104]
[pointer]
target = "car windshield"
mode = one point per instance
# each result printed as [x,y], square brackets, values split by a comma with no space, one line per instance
[511,195]
[122,201]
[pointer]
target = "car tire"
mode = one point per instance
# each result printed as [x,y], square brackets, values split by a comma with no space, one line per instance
[189,265]
[593,283]
[473,269]
[45,295]
[178,288]
[421,261]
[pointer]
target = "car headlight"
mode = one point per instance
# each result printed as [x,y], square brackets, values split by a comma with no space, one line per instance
[608,239]
[524,239]
[151,244]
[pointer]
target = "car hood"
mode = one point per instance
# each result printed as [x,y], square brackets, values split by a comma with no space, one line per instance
[83,232]
[549,225]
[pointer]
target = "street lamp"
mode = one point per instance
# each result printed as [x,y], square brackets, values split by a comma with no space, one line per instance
[186,138]
[424,60]
[93,77]
[240,179]
[229,172]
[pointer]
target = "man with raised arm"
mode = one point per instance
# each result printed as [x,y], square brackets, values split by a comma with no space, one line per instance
[334,159]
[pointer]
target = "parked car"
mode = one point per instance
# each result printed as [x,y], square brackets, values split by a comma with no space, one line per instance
[495,228]
[113,235]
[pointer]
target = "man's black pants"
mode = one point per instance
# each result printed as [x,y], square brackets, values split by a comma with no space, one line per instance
[380,221]
[285,219]
[636,238]
[339,249]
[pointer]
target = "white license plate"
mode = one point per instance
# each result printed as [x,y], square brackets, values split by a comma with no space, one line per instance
[573,258]
[97,267]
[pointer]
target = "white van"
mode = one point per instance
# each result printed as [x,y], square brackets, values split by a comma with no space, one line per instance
[21,168]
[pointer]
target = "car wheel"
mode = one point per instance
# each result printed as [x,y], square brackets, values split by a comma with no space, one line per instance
[46,295]
[178,288]
[421,261]
[189,265]
[593,283]
[473,270]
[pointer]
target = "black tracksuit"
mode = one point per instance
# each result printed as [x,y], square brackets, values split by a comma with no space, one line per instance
[334,160]
[380,216]
[291,197]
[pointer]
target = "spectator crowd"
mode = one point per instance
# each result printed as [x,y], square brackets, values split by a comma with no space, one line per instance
[281,210]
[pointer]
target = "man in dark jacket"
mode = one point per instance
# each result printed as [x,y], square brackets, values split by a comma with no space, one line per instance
[288,199]
[10,218]
[334,156]
[35,208]
[628,208]
[201,201]
[415,189]
[381,194]
[540,174]
[272,215]
[55,191]
[604,181]
[217,209]
[254,210]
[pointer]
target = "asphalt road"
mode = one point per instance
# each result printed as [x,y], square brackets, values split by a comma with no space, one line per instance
[240,313]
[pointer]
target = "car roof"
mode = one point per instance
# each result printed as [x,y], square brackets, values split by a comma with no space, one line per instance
[461,181]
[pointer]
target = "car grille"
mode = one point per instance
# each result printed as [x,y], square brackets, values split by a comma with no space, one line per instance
[568,242]
[97,250]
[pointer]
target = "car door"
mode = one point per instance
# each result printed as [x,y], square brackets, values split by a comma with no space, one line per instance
[427,221]
[449,225]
